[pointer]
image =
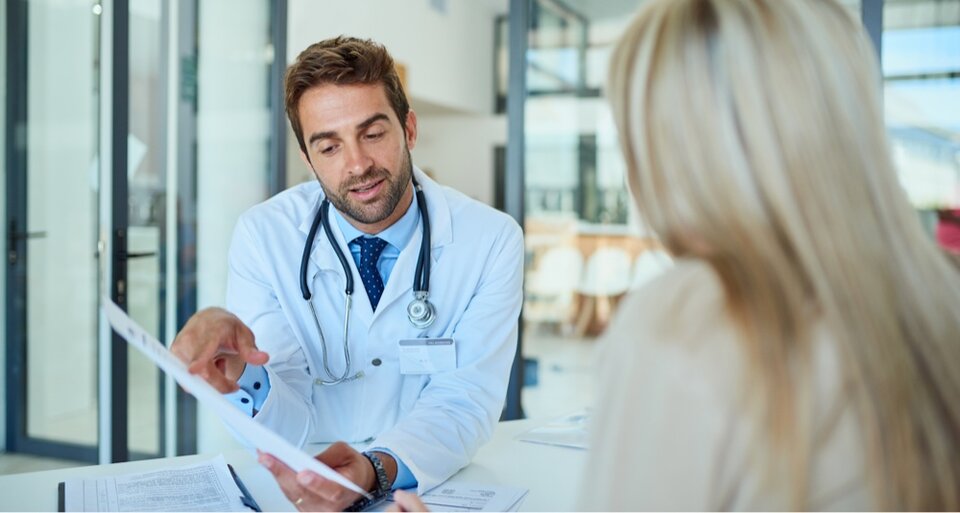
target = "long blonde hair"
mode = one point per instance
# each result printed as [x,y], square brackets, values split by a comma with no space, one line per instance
[754,140]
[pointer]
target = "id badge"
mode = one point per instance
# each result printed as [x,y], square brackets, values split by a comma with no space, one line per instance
[427,355]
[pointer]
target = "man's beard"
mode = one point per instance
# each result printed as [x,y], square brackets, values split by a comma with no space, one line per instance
[372,213]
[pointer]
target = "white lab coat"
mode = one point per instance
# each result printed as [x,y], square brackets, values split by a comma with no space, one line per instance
[433,423]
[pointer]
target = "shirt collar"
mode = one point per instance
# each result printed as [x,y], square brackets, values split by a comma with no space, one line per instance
[397,234]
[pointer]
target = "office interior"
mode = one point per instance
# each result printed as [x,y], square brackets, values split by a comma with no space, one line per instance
[136,131]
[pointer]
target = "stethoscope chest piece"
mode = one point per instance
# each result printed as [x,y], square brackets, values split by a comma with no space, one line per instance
[420,311]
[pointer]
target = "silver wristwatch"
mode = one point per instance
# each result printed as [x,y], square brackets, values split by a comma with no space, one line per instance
[383,482]
[380,492]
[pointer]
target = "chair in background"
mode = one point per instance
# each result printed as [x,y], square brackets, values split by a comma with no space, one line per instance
[606,278]
[551,284]
[649,265]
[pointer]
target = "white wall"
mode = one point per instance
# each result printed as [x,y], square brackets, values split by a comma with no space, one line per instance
[448,56]
[459,151]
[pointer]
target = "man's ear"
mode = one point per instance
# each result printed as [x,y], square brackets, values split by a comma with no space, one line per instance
[411,129]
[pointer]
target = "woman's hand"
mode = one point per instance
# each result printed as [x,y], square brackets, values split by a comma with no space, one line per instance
[406,501]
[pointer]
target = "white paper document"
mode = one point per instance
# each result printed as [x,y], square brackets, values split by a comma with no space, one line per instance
[206,486]
[469,497]
[568,431]
[255,434]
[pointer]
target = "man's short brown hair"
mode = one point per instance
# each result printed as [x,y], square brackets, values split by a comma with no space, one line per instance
[342,61]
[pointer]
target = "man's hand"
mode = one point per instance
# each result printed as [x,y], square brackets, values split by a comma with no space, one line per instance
[217,346]
[311,492]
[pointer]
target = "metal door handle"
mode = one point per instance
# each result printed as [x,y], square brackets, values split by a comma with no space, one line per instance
[126,256]
[15,235]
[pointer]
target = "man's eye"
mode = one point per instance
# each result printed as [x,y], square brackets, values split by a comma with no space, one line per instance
[326,150]
[374,136]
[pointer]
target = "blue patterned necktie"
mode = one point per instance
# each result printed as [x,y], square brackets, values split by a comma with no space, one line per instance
[370,249]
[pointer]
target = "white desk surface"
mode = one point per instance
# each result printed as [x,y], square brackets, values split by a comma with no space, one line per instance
[551,474]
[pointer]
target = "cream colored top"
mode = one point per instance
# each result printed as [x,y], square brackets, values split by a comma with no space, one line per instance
[671,431]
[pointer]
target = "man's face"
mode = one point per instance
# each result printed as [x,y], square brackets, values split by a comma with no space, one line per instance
[359,151]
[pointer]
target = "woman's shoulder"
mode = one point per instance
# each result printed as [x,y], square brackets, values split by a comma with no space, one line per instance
[677,327]
[675,347]
[670,372]
[679,307]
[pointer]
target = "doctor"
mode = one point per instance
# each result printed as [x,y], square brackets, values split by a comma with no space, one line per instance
[374,307]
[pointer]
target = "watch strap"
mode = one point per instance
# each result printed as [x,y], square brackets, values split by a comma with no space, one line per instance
[383,482]
[381,489]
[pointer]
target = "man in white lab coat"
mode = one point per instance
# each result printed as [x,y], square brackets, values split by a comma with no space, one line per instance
[419,396]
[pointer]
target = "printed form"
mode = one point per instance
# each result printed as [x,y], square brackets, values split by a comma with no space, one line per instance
[206,486]
[469,497]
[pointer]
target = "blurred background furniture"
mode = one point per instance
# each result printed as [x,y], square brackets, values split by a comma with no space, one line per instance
[605,280]
[551,284]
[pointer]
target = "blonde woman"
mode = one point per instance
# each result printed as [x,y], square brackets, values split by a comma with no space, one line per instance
[804,353]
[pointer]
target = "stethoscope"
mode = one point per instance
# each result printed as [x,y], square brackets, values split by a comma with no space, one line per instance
[420,311]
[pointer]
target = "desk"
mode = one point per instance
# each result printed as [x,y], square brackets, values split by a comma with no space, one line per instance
[552,474]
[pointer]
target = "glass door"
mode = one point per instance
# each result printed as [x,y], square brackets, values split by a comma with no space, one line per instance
[111,108]
[52,204]
[70,227]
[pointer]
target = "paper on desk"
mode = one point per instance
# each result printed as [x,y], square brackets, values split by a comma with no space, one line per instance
[469,497]
[568,431]
[205,486]
[255,434]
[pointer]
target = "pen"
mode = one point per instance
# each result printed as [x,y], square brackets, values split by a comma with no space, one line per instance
[246,498]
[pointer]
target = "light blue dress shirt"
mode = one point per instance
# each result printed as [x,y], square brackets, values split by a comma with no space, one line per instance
[254,383]
[397,236]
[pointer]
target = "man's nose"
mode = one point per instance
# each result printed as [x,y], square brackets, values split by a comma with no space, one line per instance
[357,160]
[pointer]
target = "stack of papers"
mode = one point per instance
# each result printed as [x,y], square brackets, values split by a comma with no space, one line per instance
[567,431]
[207,486]
[469,497]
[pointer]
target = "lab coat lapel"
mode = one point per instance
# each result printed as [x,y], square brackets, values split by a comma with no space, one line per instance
[400,283]
[324,259]
[401,278]
[441,232]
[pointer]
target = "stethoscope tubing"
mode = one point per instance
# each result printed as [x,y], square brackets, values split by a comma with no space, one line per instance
[421,281]
[421,278]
